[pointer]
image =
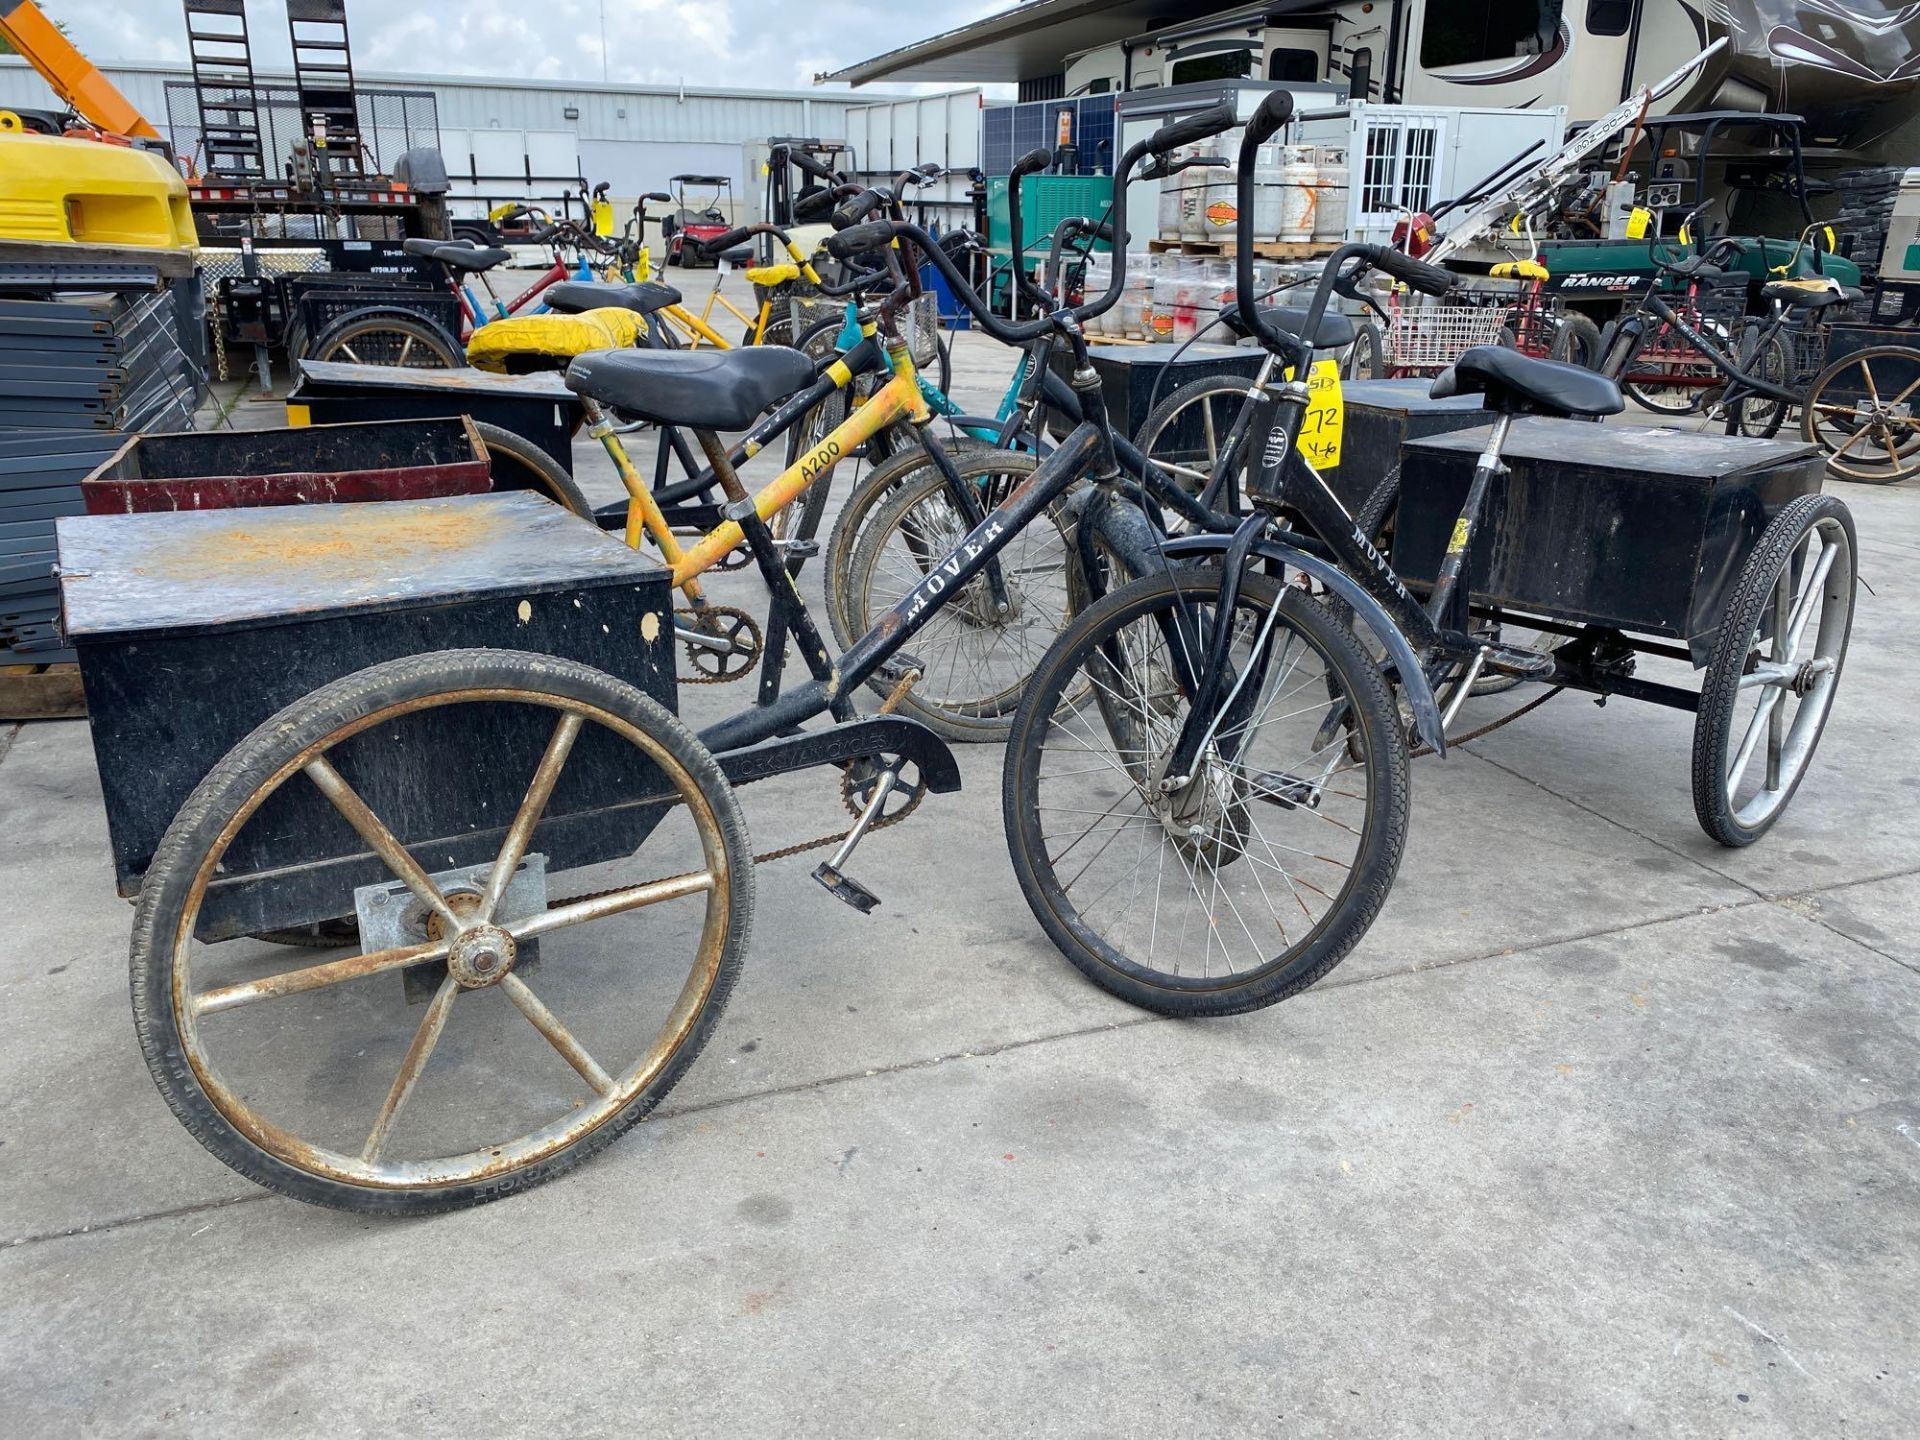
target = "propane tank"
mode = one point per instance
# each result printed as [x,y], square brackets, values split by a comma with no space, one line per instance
[1297,193]
[1220,202]
[1266,193]
[1330,193]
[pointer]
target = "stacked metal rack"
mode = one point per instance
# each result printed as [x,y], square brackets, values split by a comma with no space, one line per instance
[78,367]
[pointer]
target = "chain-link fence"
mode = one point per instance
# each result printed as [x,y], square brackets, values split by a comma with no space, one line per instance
[391,122]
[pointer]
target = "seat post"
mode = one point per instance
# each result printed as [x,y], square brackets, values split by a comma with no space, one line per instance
[722,465]
[1485,468]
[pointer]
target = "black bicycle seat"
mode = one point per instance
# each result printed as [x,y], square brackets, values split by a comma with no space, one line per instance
[1336,330]
[422,247]
[1696,267]
[1517,384]
[701,389]
[1798,295]
[643,297]
[474,258]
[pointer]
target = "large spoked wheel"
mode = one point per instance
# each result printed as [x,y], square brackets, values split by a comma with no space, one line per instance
[1188,433]
[1862,411]
[1246,881]
[543,1025]
[1769,685]
[386,338]
[977,655]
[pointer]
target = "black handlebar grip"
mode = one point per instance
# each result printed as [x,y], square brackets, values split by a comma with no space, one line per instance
[815,207]
[812,166]
[1428,279]
[858,239]
[1195,127]
[1033,162]
[720,244]
[856,209]
[660,195]
[1274,112]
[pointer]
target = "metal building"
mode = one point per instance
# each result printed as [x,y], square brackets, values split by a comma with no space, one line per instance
[523,138]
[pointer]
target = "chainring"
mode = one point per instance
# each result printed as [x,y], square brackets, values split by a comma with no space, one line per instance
[856,789]
[722,622]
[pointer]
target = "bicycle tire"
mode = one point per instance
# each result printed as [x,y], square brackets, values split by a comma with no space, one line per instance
[1741,632]
[868,495]
[1760,417]
[530,468]
[920,514]
[1576,341]
[1155,428]
[1097,632]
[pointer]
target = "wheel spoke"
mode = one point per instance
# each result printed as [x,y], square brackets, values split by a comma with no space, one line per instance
[424,1039]
[1756,727]
[558,1036]
[617,902]
[514,848]
[315,977]
[368,826]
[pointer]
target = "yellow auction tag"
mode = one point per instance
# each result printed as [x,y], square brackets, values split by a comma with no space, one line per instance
[299,415]
[1638,222]
[1319,442]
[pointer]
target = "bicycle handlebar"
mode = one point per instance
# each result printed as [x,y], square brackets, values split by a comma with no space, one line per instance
[1221,117]
[739,235]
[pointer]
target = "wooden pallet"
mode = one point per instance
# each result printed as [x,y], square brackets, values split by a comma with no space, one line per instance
[1264,250]
[41,692]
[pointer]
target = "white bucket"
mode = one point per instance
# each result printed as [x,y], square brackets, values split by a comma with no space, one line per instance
[1297,193]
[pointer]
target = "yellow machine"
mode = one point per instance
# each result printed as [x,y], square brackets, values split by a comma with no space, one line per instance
[60,190]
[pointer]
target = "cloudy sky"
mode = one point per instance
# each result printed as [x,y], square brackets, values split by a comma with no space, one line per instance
[740,43]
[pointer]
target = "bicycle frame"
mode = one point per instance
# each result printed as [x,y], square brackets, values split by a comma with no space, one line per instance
[1665,312]
[834,684]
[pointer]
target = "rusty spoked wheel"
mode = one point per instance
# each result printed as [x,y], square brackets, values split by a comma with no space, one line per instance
[496,1021]
[1864,411]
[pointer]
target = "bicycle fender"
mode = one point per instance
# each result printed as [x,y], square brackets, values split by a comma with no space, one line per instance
[1401,659]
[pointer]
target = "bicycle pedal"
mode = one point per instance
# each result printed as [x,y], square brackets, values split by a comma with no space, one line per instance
[1519,660]
[845,888]
[797,549]
[900,666]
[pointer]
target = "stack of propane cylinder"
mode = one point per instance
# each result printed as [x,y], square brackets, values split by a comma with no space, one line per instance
[1300,199]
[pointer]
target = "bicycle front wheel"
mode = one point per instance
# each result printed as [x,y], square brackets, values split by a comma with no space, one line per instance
[1239,885]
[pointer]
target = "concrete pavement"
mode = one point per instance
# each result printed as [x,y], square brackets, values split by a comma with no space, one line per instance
[1602,1130]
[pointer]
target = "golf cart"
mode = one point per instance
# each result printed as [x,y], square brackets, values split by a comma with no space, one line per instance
[1603,255]
[687,227]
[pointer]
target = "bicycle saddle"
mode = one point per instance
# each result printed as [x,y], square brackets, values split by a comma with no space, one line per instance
[701,389]
[643,297]
[1697,267]
[460,256]
[1336,330]
[1807,294]
[1517,384]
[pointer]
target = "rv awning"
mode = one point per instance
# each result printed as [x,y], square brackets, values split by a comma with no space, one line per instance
[1024,42]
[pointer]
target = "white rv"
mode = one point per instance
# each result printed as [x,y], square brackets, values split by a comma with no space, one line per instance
[1854,63]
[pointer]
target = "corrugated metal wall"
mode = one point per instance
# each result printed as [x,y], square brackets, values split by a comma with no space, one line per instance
[664,125]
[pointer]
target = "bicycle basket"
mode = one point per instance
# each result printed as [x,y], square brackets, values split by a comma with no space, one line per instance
[1429,335]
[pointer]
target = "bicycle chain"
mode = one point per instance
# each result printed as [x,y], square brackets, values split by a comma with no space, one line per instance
[745,625]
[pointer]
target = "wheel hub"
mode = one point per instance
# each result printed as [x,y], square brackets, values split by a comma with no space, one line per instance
[481,957]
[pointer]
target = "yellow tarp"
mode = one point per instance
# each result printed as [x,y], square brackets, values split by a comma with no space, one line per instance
[558,337]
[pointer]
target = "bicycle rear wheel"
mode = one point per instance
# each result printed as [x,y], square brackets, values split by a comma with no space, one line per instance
[977,658]
[1669,376]
[1253,878]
